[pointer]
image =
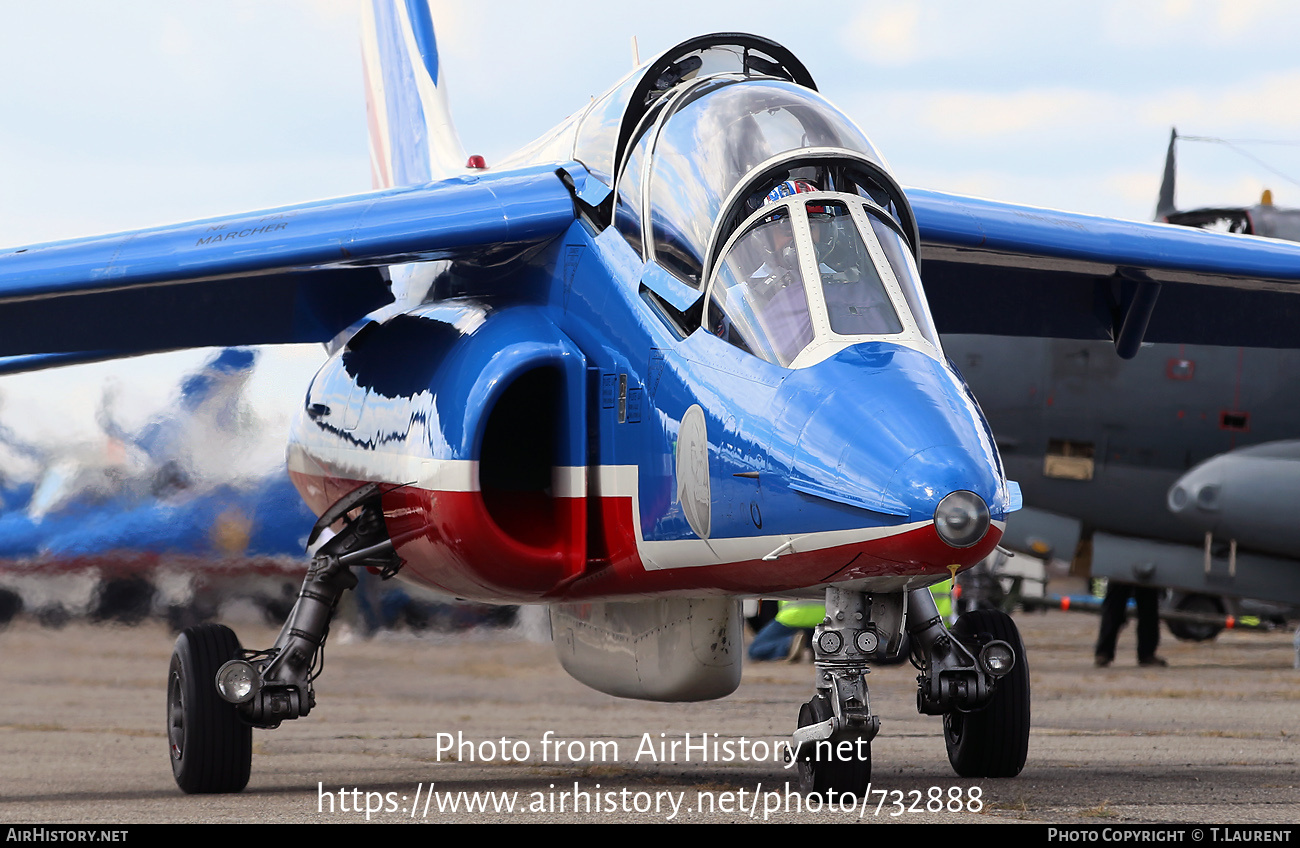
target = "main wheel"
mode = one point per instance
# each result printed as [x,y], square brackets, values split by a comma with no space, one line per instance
[993,741]
[824,769]
[211,748]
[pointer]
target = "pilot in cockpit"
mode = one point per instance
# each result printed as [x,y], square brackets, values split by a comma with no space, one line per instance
[776,286]
[764,301]
[854,295]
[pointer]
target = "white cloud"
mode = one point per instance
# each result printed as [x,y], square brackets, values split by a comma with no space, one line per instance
[1204,23]
[887,37]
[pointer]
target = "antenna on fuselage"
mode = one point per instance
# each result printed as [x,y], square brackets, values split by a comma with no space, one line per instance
[636,54]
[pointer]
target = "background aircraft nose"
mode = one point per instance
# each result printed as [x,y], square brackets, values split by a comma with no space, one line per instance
[1248,494]
[1197,490]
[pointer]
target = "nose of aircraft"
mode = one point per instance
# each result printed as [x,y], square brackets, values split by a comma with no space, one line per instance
[900,436]
[1197,490]
[951,485]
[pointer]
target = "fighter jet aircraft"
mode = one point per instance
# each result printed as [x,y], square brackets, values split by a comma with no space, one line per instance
[188,491]
[675,352]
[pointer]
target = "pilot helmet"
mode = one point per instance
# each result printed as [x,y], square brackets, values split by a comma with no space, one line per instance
[788,188]
[818,216]
[792,187]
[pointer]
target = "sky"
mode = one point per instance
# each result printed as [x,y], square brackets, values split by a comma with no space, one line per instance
[125,115]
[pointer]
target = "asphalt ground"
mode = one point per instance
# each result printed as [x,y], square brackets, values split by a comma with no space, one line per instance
[1210,739]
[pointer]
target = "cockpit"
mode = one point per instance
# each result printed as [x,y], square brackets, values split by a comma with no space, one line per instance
[814,271]
[694,148]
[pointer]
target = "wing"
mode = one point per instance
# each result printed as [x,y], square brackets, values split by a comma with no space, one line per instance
[1005,269]
[294,274]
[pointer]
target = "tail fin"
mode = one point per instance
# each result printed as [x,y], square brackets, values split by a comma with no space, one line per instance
[1165,204]
[412,139]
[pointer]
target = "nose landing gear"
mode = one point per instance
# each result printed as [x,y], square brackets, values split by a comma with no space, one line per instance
[833,742]
[975,676]
[993,741]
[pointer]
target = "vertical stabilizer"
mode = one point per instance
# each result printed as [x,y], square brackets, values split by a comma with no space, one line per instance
[412,139]
[1165,204]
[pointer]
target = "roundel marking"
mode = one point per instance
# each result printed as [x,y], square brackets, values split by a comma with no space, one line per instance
[693,471]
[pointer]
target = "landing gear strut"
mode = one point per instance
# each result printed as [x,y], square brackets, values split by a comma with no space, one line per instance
[218,692]
[833,742]
[975,676]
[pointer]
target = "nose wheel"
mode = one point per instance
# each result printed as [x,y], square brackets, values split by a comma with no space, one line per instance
[840,764]
[211,747]
[832,746]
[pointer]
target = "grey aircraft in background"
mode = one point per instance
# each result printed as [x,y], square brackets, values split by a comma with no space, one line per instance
[1262,219]
[1180,466]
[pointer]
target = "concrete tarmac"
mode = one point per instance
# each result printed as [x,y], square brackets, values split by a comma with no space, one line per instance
[1212,739]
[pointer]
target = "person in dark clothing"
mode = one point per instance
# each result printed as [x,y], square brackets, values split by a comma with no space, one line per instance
[1114,614]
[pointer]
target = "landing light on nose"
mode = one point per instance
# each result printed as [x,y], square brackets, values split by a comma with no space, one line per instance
[961,519]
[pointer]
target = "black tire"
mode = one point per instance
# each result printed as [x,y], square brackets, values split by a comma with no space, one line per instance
[993,741]
[126,600]
[211,748]
[1196,631]
[820,770]
[55,616]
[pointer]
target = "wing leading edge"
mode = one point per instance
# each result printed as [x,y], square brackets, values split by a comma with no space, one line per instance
[294,274]
[1007,269]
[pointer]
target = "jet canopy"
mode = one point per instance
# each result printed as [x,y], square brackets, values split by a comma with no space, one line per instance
[816,272]
[690,145]
[701,160]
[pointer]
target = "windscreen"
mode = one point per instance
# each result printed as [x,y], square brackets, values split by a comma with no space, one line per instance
[856,301]
[759,301]
[813,273]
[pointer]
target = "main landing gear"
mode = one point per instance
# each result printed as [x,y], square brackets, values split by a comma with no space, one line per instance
[975,676]
[217,692]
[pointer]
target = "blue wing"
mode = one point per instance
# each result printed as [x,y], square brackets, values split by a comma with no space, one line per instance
[1005,269]
[294,274]
[304,273]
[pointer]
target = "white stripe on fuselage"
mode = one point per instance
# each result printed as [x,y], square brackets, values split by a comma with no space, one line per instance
[436,475]
[607,481]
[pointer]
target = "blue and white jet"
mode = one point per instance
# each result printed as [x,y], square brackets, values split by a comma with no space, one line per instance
[674,353]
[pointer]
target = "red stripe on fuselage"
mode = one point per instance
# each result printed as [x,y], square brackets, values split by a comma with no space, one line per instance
[450,541]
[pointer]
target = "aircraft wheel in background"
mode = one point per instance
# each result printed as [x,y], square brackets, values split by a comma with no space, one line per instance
[993,741]
[54,616]
[211,747]
[819,772]
[126,600]
[11,603]
[1195,631]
